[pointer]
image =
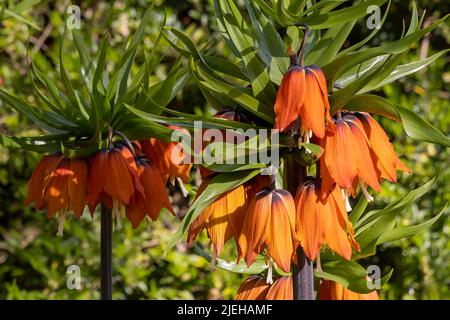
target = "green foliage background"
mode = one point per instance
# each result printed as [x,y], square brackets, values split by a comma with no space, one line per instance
[33,260]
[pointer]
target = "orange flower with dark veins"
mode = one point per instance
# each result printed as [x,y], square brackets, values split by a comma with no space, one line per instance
[347,156]
[253,288]
[303,93]
[169,157]
[323,220]
[281,289]
[59,184]
[223,218]
[387,161]
[113,180]
[269,223]
[330,290]
[153,199]
[357,153]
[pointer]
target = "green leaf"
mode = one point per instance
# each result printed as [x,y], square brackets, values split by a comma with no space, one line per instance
[240,267]
[410,68]
[326,48]
[419,129]
[39,118]
[358,45]
[349,274]
[217,186]
[414,126]
[238,32]
[44,144]
[358,209]
[408,231]
[237,94]
[341,65]
[333,18]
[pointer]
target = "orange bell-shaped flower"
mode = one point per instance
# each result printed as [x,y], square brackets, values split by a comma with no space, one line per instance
[223,218]
[281,289]
[330,290]
[253,288]
[113,179]
[347,156]
[303,93]
[169,157]
[269,223]
[323,220]
[153,199]
[387,162]
[59,184]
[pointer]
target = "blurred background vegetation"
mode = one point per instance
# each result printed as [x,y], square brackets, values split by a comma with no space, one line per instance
[33,260]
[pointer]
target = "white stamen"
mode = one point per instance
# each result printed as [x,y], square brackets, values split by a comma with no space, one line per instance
[318,263]
[310,133]
[307,136]
[365,192]
[269,279]
[61,219]
[117,212]
[348,207]
[182,187]
[212,266]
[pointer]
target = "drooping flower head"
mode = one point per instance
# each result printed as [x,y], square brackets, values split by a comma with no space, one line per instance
[356,155]
[323,220]
[223,218]
[253,288]
[347,156]
[269,223]
[169,157]
[154,197]
[303,93]
[59,184]
[113,179]
[330,290]
[387,161]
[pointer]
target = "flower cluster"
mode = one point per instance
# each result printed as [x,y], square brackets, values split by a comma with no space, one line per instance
[124,178]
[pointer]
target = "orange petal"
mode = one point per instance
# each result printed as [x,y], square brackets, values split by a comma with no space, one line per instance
[281,289]
[253,234]
[77,186]
[341,154]
[96,178]
[366,168]
[118,182]
[253,288]
[57,194]
[312,221]
[279,234]
[330,290]
[290,97]
[313,109]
